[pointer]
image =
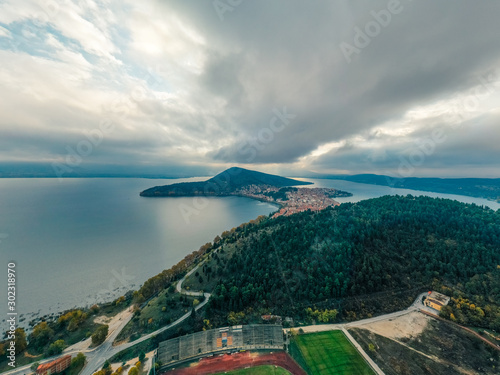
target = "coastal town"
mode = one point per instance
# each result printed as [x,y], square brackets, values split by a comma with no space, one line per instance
[291,199]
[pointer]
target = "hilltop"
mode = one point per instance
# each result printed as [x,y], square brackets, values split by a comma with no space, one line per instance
[255,185]
[344,263]
[360,259]
[223,184]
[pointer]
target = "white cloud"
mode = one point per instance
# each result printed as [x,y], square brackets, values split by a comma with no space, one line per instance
[183,86]
[5,33]
[82,21]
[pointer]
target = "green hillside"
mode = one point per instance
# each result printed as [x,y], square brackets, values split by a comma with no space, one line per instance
[223,184]
[359,259]
[488,188]
[330,352]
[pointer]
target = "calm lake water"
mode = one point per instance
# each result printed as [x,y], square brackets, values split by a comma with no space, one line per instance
[79,241]
[367,191]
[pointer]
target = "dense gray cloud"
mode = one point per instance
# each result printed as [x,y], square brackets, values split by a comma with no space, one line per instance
[320,86]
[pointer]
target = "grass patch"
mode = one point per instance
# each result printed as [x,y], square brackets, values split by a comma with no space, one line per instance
[259,370]
[111,309]
[84,331]
[451,351]
[396,359]
[208,275]
[294,351]
[488,334]
[21,360]
[74,370]
[162,310]
[330,353]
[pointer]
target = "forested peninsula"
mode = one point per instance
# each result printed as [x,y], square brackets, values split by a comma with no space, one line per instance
[223,184]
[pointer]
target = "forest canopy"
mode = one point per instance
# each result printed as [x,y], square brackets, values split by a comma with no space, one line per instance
[344,257]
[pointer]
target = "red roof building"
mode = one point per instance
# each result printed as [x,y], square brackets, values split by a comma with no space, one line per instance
[54,367]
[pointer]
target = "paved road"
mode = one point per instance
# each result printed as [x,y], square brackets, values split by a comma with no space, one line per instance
[415,306]
[96,359]
[367,358]
[149,335]
[181,281]
[24,370]
[97,356]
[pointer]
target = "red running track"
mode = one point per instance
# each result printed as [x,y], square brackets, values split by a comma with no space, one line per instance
[227,362]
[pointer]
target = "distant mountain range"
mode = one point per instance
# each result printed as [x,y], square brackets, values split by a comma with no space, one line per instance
[225,183]
[488,188]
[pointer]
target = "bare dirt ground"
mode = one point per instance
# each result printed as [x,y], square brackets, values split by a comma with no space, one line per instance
[103,319]
[115,321]
[113,324]
[416,344]
[406,326]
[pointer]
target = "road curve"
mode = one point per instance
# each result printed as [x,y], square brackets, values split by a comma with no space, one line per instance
[106,350]
[97,356]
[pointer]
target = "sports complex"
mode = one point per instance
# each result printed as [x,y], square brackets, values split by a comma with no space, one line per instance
[220,340]
[220,350]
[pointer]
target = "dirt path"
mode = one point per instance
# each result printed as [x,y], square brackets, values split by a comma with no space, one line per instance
[406,327]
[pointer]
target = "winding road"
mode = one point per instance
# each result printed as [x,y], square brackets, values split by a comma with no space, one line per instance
[97,356]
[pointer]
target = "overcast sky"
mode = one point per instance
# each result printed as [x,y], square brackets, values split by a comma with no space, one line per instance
[405,88]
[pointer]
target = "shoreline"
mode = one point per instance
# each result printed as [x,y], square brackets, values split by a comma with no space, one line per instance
[288,200]
[36,314]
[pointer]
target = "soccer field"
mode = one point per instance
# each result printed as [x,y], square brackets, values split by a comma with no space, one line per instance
[330,352]
[260,370]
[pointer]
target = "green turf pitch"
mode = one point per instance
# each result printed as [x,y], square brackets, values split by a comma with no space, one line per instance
[331,352]
[259,370]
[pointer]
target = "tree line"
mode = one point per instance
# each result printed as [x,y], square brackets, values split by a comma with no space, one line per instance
[339,257]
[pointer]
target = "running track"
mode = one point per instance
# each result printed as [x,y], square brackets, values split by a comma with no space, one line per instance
[227,362]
